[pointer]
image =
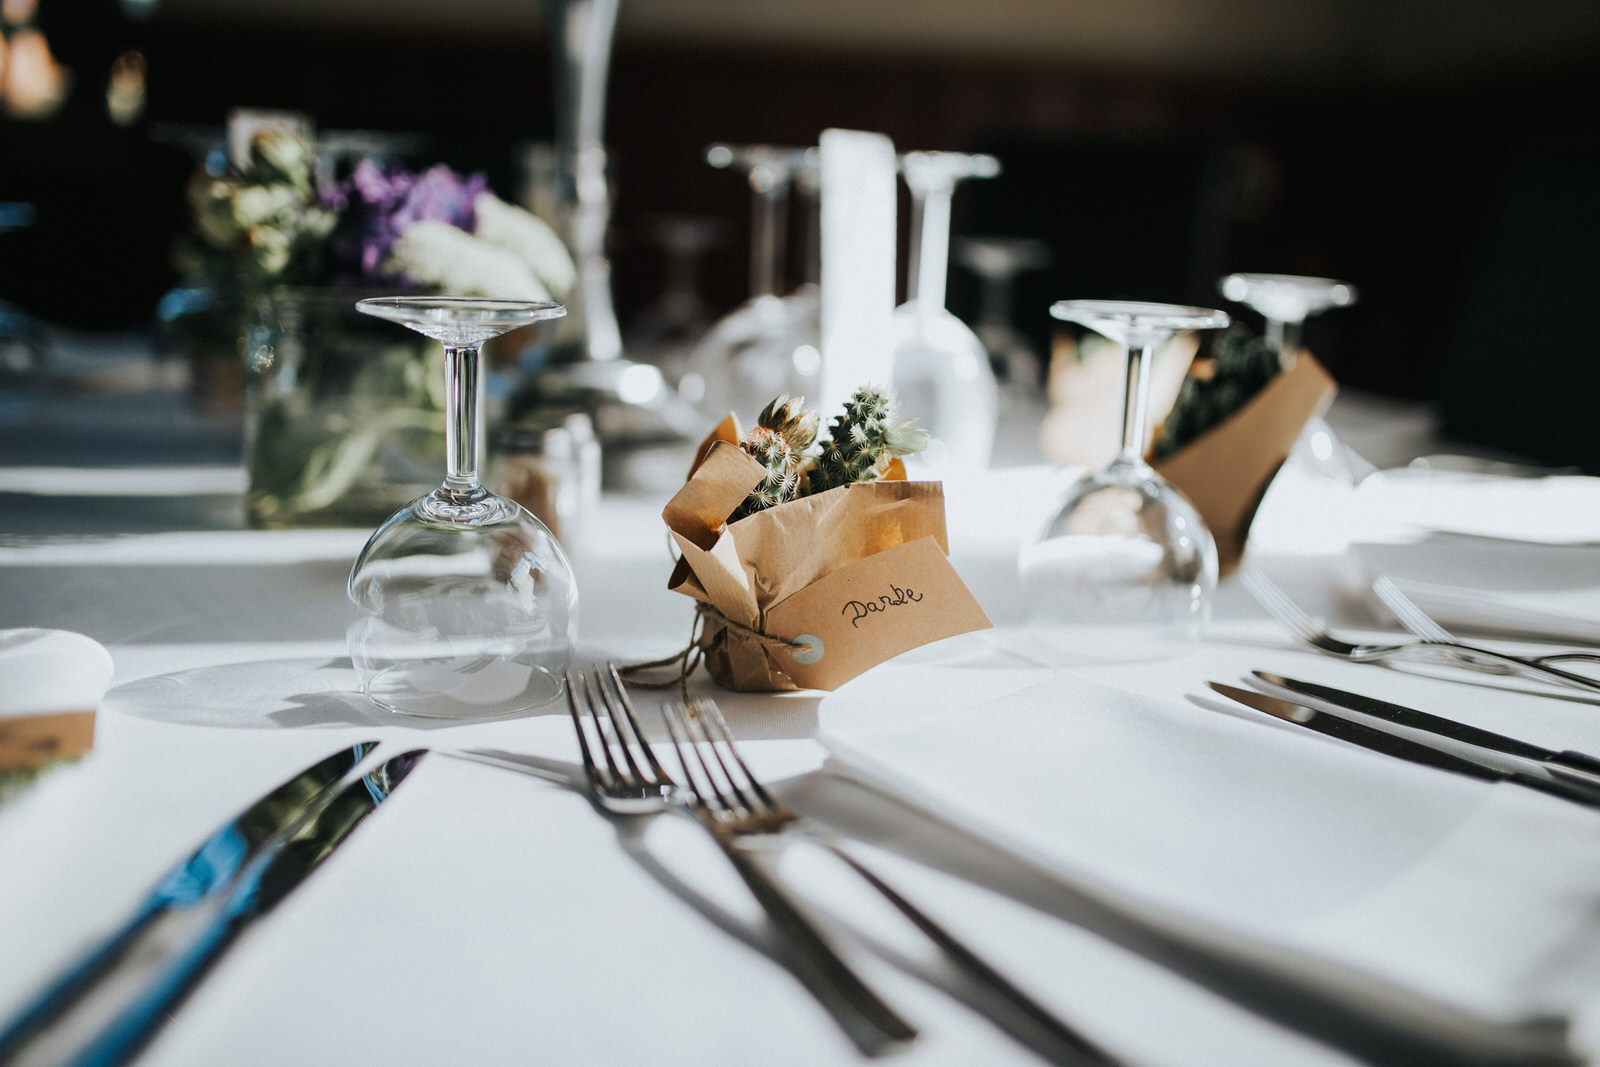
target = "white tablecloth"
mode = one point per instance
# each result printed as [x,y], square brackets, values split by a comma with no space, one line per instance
[486,917]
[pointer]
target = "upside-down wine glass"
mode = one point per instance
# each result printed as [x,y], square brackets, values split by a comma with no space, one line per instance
[997,261]
[767,345]
[464,603]
[1285,301]
[941,369]
[1125,570]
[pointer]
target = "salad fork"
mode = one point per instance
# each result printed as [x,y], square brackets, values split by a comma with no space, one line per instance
[1313,633]
[625,778]
[743,808]
[1419,622]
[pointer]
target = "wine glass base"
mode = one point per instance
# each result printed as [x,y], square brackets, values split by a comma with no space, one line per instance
[443,690]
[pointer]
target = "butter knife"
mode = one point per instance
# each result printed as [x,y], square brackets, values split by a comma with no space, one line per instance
[106,1007]
[1577,788]
[1414,719]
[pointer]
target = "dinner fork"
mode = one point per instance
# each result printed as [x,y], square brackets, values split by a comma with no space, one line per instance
[1313,633]
[743,808]
[1419,622]
[626,778]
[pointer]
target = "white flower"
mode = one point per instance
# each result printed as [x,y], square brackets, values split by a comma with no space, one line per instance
[529,238]
[255,205]
[435,253]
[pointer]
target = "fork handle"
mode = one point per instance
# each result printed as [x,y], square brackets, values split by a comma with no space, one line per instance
[874,1026]
[1532,668]
[971,963]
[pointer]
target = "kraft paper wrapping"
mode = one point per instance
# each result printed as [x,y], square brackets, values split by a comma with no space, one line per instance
[1226,471]
[811,593]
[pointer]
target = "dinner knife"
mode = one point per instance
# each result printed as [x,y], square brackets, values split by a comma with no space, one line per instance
[1412,718]
[108,1006]
[1578,789]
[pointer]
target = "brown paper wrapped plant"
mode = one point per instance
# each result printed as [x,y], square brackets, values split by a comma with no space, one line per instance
[811,558]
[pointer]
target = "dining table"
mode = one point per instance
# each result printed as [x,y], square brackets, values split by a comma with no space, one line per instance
[1181,879]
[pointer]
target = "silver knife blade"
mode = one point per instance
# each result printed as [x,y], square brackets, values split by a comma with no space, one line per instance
[189,896]
[1414,719]
[1369,737]
[1333,724]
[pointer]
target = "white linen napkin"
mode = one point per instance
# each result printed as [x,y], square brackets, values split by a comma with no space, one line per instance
[1475,895]
[1555,511]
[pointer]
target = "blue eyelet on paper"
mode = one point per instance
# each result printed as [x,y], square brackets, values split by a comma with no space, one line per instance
[809,654]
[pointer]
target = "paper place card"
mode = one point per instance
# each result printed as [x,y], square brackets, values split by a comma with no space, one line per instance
[871,610]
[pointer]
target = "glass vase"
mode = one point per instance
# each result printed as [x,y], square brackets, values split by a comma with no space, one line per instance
[344,419]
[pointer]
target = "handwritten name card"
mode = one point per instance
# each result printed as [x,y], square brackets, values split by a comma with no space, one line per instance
[871,610]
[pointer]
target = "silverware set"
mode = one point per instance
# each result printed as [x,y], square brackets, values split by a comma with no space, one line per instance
[107,1006]
[717,788]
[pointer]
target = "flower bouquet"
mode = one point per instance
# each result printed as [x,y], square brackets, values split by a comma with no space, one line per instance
[812,560]
[344,418]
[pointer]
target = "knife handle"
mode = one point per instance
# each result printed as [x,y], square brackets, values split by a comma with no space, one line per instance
[57,998]
[106,1010]
[1579,761]
[1562,783]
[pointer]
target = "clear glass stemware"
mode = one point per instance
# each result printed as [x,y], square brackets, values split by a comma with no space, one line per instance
[768,345]
[1285,301]
[465,605]
[941,369]
[1126,568]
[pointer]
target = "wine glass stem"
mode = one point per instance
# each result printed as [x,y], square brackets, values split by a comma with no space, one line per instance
[1284,336]
[461,422]
[771,196]
[930,248]
[1133,410]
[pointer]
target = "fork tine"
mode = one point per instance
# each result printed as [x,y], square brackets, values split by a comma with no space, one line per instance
[627,736]
[620,693]
[1410,616]
[681,723]
[590,766]
[1278,604]
[711,716]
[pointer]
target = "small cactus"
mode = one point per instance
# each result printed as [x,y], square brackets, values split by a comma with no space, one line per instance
[787,415]
[782,482]
[863,440]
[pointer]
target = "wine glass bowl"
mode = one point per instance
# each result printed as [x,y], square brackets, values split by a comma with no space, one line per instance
[942,372]
[1126,568]
[464,604]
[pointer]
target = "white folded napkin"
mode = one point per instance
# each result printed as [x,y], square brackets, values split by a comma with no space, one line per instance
[1556,511]
[1475,895]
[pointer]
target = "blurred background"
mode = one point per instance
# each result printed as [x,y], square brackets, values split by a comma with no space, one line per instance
[1443,155]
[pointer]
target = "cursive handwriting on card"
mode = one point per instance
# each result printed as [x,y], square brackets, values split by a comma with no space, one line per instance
[895,598]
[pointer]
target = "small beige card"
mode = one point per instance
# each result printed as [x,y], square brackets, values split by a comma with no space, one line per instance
[872,610]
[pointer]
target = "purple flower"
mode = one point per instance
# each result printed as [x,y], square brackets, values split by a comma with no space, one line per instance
[376,206]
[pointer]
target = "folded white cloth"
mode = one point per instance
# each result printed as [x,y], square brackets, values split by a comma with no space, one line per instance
[1556,510]
[1476,895]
